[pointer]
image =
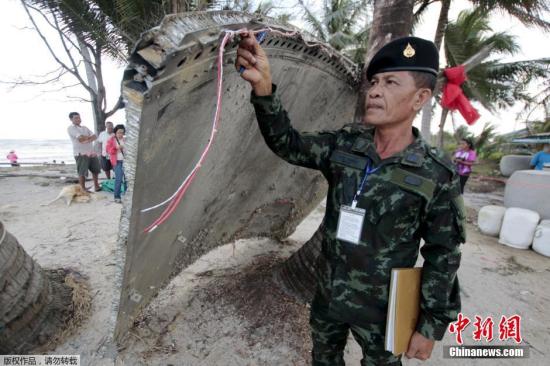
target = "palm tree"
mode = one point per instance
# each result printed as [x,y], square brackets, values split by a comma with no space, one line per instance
[529,12]
[34,304]
[539,126]
[491,83]
[484,138]
[343,24]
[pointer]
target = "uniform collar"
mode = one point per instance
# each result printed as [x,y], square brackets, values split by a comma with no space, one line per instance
[413,155]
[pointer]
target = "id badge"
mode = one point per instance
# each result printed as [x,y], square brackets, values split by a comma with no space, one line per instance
[350,224]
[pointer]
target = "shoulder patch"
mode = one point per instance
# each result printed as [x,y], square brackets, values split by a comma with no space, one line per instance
[350,160]
[412,182]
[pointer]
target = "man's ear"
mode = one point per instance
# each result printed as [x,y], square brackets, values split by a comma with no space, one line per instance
[422,97]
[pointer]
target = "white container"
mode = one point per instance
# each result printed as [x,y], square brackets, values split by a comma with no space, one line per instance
[489,219]
[518,227]
[529,189]
[541,242]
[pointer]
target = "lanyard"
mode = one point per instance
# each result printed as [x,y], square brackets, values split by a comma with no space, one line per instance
[368,171]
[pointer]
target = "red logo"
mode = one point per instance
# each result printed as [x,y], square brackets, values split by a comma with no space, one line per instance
[459,326]
[483,328]
[508,328]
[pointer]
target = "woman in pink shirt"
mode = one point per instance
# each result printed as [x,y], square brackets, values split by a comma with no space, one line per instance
[464,158]
[115,149]
[12,157]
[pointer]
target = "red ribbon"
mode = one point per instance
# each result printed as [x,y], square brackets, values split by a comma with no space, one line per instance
[453,97]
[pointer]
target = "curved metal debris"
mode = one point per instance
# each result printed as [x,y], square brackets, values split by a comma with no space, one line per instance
[243,189]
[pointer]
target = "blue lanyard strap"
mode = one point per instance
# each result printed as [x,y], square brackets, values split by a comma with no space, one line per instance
[368,171]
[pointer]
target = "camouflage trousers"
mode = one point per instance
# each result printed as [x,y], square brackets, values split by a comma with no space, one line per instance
[329,337]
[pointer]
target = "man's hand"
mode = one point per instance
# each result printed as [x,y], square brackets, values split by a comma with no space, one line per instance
[252,57]
[420,347]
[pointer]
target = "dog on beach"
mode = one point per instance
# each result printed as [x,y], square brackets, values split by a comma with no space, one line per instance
[72,193]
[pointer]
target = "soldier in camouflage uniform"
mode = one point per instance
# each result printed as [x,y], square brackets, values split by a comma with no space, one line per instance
[406,188]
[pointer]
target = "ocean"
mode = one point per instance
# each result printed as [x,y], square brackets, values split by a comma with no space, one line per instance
[37,151]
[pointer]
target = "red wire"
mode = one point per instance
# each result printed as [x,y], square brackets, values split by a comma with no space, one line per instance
[175,201]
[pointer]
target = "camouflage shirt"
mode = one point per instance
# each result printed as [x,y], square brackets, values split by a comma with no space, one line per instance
[412,195]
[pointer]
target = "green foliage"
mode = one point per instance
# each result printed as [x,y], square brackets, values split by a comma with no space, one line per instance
[85,20]
[116,25]
[462,132]
[540,126]
[343,24]
[485,137]
[492,83]
[495,156]
[483,143]
[529,12]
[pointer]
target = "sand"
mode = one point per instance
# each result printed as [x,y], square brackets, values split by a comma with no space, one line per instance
[224,309]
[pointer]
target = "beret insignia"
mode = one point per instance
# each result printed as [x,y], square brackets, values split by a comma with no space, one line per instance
[409,51]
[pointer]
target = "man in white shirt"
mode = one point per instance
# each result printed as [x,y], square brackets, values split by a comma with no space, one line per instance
[83,149]
[102,140]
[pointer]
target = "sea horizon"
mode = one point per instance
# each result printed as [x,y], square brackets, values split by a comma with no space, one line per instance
[38,151]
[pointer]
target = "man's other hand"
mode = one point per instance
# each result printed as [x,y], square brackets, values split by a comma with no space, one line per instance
[420,347]
[252,57]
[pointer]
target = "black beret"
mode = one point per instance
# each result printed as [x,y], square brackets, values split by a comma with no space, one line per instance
[405,54]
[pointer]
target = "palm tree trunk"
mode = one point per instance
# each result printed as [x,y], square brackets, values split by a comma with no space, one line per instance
[427,110]
[33,307]
[444,114]
[442,23]
[297,275]
[392,19]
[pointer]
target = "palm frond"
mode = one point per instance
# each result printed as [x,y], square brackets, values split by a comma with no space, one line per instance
[529,12]
[311,19]
[492,83]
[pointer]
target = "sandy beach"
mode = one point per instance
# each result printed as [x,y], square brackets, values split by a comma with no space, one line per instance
[224,309]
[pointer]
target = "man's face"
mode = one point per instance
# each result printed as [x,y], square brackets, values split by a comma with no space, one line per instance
[546,148]
[109,127]
[392,98]
[76,119]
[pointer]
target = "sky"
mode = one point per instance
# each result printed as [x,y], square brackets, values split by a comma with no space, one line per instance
[38,112]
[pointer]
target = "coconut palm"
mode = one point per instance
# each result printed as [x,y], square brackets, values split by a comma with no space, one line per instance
[492,83]
[34,305]
[342,24]
[529,12]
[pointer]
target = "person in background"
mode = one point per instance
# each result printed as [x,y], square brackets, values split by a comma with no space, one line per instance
[115,149]
[83,149]
[12,157]
[464,158]
[102,140]
[541,158]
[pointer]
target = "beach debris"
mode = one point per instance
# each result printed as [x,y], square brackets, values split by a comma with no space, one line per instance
[169,115]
